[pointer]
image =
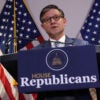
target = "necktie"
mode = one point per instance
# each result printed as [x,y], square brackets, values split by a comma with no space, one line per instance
[57,44]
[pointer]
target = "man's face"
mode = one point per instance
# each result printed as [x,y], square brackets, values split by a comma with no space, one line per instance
[53,23]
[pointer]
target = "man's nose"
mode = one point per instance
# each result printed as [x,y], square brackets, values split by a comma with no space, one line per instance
[52,20]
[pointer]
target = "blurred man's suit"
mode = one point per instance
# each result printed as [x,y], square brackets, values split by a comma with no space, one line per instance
[65,95]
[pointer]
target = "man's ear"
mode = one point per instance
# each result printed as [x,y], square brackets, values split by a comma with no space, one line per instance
[65,21]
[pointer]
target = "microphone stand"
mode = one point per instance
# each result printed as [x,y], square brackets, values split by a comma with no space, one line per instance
[11,39]
[7,44]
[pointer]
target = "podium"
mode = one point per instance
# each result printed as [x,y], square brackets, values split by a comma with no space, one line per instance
[11,61]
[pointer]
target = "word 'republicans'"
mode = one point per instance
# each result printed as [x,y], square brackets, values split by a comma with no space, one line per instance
[62,79]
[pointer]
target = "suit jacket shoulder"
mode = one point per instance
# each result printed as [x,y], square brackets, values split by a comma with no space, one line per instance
[68,41]
[76,42]
[45,44]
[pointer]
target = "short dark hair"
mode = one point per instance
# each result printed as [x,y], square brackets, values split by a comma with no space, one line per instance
[49,7]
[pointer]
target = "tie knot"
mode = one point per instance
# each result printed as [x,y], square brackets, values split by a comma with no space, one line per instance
[57,43]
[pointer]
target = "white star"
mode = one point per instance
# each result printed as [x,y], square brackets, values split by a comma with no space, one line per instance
[86,37]
[96,4]
[3,20]
[34,31]
[98,19]
[21,6]
[9,6]
[92,17]
[6,6]
[88,30]
[96,26]
[19,41]
[99,41]
[5,13]
[18,18]
[19,12]
[11,28]
[90,24]
[21,35]
[28,29]
[0,34]
[23,21]
[6,27]
[4,35]
[12,22]
[22,28]
[3,42]
[94,32]
[8,13]
[10,35]
[27,36]
[94,11]
[29,22]
[2,27]
[9,43]
[93,39]
[25,14]
[16,3]
[98,12]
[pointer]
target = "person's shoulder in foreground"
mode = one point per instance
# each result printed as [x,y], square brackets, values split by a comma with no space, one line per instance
[79,42]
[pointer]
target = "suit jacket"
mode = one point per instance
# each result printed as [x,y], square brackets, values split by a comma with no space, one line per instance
[68,42]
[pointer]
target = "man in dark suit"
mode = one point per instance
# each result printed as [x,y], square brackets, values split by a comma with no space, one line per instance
[53,21]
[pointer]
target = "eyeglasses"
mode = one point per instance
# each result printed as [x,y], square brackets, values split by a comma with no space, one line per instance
[55,18]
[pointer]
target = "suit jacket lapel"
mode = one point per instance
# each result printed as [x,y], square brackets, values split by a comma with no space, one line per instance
[47,44]
[69,41]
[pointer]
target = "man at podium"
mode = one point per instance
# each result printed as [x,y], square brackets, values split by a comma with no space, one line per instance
[53,21]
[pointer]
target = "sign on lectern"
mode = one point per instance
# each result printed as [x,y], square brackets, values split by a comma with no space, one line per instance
[50,69]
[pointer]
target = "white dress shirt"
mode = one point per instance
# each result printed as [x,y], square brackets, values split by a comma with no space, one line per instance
[62,40]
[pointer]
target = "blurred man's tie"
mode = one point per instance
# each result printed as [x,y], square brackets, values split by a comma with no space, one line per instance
[59,44]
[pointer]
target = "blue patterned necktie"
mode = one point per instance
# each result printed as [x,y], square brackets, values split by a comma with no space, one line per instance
[57,43]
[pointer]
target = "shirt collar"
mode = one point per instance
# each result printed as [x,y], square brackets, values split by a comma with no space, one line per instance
[62,39]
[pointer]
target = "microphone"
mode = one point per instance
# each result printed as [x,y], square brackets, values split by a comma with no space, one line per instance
[6,48]
[7,45]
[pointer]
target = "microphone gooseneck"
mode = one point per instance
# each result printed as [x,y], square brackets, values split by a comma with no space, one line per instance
[7,45]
